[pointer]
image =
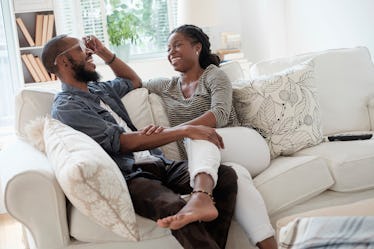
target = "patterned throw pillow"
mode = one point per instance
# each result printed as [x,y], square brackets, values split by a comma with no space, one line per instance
[283,108]
[88,176]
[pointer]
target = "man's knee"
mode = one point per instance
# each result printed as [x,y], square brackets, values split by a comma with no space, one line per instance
[227,177]
[152,199]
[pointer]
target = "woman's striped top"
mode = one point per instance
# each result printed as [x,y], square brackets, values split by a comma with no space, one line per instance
[213,93]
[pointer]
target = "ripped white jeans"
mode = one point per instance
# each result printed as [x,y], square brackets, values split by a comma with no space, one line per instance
[248,154]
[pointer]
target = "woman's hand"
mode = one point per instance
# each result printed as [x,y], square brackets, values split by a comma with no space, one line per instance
[151,129]
[205,133]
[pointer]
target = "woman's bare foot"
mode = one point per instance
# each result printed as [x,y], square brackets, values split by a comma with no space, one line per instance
[199,208]
[269,243]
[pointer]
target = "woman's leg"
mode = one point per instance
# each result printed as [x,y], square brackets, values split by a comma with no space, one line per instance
[153,200]
[224,195]
[250,210]
[203,164]
[246,147]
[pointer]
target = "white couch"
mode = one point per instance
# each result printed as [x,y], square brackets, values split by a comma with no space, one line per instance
[328,174]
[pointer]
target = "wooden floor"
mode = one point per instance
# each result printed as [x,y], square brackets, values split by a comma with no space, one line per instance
[10,233]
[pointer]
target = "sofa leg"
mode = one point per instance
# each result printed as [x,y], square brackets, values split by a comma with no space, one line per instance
[25,241]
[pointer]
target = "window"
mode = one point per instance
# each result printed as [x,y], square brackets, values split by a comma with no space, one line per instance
[153,20]
[9,80]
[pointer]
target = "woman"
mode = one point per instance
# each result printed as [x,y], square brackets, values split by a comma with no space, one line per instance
[202,95]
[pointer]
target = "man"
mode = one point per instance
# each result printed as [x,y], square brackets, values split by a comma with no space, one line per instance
[155,183]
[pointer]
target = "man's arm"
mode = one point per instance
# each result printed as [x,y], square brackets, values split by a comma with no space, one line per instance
[119,68]
[137,141]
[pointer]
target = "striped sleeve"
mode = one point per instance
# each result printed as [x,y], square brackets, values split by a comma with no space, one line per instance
[156,85]
[221,95]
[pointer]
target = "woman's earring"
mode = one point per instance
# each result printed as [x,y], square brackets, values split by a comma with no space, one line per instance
[197,52]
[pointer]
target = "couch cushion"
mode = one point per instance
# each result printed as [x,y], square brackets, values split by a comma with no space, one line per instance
[283,108]
[170,150]
[292,180]
[344,80]
[83,229]
[138,107]
[350,162]
[90,179]
[33,102]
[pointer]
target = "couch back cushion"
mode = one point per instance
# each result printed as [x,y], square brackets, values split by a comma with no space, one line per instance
[30,104]
[345,82]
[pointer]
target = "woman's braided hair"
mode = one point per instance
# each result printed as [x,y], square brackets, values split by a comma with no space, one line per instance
[206,57]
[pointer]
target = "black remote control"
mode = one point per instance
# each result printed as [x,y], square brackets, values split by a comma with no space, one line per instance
[349,137]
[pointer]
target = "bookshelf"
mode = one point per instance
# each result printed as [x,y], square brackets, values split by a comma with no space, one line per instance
[35,23]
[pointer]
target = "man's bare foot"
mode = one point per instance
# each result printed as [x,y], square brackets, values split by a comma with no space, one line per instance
[199,208]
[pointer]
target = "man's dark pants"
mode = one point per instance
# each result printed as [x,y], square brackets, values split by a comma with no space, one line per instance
[160,197]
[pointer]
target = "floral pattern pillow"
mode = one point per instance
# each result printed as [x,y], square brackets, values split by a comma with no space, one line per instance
[284,108]
[90,178]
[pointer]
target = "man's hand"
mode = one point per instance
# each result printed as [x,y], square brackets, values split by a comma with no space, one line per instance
[205,133]
[93,43]
[151,129]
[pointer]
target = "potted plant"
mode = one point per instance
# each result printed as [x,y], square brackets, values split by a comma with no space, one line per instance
[123,28]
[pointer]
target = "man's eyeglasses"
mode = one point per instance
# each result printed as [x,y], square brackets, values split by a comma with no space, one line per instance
[79,44]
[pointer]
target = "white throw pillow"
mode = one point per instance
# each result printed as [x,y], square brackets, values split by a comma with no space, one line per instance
[283,108]
[138,107]
[89,177]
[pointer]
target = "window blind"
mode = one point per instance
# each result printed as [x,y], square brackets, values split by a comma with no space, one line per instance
[84,17]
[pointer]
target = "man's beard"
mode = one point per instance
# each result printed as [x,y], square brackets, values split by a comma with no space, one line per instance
[82,74]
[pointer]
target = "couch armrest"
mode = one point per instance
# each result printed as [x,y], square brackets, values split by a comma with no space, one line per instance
[33,196]
[371,113]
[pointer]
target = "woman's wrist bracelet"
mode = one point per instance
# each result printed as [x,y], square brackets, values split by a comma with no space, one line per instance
[111,60]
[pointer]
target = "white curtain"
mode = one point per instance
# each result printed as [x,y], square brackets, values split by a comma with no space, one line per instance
[6,86]
[9,80]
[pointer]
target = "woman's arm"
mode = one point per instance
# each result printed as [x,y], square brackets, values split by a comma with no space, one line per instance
[207,119]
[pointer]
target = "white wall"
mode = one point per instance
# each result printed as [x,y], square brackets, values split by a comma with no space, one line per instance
[313,25]
[261,24]
[277,28]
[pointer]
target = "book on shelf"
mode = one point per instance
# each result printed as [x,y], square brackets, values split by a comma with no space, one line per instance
[30,68]
[44,29]
[25,32]
[233,56]
[51,22]
[42,68]
[38,29]
[230,54]
[36,67]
